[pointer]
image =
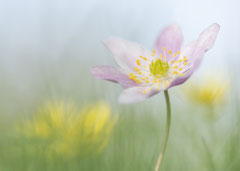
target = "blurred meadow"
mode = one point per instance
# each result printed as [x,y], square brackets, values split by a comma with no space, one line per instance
[54,115]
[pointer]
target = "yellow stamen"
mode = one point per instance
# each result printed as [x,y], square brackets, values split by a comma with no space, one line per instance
[145,78]
[138,62]
[138,81]
[155,80]
[178,52]
[175,72]
[130,74]
[136,69]
[170,52]
[144,58]
[166,83]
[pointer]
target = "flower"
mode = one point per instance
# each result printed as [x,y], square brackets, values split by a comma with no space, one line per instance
[210,91]
[144,74]
[60,130]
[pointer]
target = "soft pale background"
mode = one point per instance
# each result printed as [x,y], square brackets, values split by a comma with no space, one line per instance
[48,46]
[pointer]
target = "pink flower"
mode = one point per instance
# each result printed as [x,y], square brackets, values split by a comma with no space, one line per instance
[144,74]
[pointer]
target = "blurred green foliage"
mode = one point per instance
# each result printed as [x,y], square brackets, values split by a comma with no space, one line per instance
[195,143]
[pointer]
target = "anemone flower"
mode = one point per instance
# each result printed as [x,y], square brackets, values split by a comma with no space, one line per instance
[143,73]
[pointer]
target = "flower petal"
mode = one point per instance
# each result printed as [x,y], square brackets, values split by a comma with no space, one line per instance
[171,38]
[135,94]
[125,52]
[112,74]
[195,51]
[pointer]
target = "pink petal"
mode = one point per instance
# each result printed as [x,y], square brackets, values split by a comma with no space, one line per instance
[112,74]
[125,52]
[171,38]
[204,43]
[195,51]
[135,94]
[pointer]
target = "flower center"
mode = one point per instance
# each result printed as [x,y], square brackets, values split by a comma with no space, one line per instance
[159,68]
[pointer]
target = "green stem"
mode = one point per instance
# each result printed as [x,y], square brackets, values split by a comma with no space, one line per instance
[160,158]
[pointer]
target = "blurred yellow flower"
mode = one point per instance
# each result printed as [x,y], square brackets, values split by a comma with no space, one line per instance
[66,132]
[211,90]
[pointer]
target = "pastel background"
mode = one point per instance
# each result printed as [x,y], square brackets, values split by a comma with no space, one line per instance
[46,50]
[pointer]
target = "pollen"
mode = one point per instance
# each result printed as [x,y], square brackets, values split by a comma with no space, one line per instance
[144,58]
[175,72]
[136,69]
[166,84]
[131,74]
[138,81]
[160,71]
[145,78]
[155,80]
[133,77]
[138,62]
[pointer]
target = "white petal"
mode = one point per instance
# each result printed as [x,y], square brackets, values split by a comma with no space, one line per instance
[136,94]
[125,52]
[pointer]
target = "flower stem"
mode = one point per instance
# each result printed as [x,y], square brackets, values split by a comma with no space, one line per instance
[160,158]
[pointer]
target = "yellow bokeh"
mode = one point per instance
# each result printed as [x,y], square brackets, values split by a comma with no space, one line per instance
[210,90]
[67,132]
